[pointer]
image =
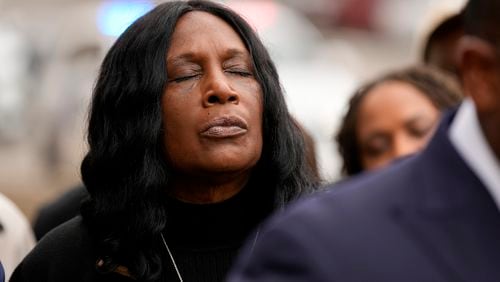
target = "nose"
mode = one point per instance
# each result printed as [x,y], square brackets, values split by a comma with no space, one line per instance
[219,91]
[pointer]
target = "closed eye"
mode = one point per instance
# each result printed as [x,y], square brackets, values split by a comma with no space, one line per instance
[183,78]
[376,145]
[419,132]
[419,127]
[242,73]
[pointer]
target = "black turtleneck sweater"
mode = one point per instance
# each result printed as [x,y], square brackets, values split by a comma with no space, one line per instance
[204,240]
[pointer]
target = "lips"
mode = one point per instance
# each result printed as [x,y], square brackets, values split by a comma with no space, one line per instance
[224,127]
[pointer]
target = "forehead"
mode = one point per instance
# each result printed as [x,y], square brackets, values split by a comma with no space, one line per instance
[393,94]
[394,99]
[201,31]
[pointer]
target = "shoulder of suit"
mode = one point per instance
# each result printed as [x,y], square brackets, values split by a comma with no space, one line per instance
[359,196]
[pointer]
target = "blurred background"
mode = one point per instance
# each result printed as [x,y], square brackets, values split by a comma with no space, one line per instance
[50,51]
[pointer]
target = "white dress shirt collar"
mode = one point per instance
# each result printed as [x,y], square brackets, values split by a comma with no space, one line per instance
[468,139]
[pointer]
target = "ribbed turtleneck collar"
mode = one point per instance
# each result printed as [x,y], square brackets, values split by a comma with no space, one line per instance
[217,225]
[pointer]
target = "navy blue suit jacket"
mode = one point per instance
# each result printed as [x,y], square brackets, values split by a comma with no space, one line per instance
[426,218]
[2,274]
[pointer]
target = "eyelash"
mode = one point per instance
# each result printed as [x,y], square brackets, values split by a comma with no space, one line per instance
[183,78]
[419,132]
[188,77]
[241,73]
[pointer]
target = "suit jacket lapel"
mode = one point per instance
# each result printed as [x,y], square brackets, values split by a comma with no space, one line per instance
[453,218]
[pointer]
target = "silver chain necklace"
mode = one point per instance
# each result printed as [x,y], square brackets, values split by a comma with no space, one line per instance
[175,264]
[171,258]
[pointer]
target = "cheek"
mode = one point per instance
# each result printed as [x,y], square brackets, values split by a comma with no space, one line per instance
[177,123]
[253,101]
[252,91]
[370,163]
[252,98]
[496,96]
[427,137]
[255,140]
[171,115]
[257,116]
[179,107]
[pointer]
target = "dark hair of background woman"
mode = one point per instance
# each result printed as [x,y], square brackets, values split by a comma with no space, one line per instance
[441,89]
[125,170]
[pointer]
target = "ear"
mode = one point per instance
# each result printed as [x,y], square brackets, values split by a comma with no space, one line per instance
[480,72]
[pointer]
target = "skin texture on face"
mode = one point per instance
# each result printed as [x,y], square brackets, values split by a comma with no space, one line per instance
[491,120]
[394,119]
[480,72]
[212,110]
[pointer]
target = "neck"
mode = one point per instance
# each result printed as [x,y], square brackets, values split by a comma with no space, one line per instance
[203,190]
[492,134]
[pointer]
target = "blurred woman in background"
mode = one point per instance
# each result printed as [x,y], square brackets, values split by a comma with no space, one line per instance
[16,235]
[394,116]
[191,146]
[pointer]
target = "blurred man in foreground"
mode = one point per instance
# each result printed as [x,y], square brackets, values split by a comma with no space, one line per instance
[2,277]
[440,48]
[432,217]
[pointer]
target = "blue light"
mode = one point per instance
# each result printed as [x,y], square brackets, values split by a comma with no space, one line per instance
[115,16]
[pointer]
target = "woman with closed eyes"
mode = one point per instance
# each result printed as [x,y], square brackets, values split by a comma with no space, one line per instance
[394,116]
[191,146]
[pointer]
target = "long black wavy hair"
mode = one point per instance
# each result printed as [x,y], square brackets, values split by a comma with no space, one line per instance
[440,88]
[125,170]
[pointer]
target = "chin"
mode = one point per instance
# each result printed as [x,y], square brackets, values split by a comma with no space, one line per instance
[232,160]
[230,167]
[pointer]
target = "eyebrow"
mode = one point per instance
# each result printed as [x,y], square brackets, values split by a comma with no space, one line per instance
[181,59]
[235,53]
[418,117]
[191,57]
